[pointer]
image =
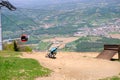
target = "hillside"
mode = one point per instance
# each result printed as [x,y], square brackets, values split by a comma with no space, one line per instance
[61,18]
[90,44]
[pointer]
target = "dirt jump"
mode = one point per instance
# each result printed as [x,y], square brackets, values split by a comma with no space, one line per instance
[109,51]
[76,66]
[107,54]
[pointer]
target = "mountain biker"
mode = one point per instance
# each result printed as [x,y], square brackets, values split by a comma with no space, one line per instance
[53,50]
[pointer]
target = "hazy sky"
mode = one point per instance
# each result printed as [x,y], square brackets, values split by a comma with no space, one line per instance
[28,3]
[31,3]
[25,1]
[36,1]
[41,2]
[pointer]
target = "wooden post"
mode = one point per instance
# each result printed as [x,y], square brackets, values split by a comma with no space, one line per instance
[119,53]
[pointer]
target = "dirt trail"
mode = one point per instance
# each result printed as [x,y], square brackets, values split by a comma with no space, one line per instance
[76,66]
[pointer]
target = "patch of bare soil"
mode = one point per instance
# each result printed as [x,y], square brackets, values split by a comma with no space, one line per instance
[60,41]
[115,36]
[76,66]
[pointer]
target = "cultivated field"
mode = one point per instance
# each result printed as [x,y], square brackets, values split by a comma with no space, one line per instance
[115,36]
[61,41]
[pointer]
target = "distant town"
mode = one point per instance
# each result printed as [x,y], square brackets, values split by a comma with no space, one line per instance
[103,30]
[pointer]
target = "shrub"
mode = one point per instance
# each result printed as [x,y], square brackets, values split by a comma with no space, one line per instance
[9,47]
[14,46]
[25,49]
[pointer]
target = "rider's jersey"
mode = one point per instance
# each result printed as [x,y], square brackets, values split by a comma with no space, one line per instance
[53,49]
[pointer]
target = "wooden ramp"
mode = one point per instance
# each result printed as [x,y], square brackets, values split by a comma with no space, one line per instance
[109,51]
[107,54]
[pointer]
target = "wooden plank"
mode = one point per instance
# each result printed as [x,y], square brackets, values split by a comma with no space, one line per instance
[107,54]
[111,47]
[114,49]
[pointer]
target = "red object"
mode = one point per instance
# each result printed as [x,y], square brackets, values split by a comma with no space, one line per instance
[24,38]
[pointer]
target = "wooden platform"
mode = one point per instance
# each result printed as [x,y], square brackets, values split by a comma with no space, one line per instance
[109,51]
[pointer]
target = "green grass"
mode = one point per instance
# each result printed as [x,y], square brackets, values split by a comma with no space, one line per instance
[113,78]
[44,45]
[9,53]
[16,68]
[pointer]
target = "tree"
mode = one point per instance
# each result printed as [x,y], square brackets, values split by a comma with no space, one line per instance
[15,46]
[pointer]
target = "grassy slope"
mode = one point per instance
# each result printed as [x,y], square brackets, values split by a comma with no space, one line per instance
[44,46]
[15,68]
[90,44]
